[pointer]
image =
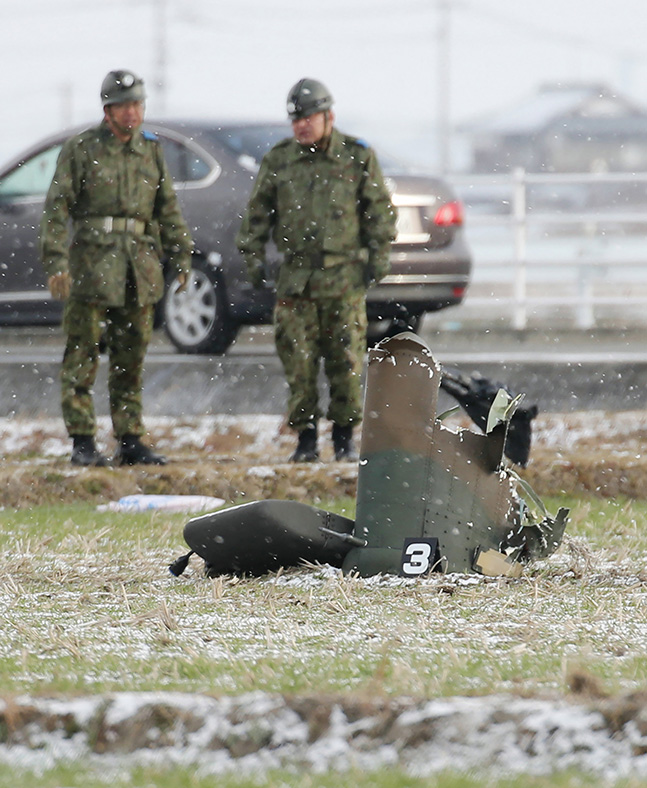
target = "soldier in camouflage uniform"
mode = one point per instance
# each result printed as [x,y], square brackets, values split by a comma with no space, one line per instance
[112,186]
[320,196]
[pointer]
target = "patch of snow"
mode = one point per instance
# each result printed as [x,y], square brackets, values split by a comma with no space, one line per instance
[558,431]
[261,471]
[496,734]
[168,503]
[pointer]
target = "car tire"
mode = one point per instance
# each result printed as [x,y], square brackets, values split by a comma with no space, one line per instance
[196,320]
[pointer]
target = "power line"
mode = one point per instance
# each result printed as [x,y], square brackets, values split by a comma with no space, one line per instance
[535,31]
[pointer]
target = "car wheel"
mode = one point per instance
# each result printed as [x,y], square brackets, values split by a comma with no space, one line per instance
[381,329]
[196,320]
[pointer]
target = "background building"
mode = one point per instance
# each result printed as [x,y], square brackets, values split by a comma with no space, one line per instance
[561,128]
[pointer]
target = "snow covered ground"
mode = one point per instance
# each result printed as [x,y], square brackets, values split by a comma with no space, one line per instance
[258,732]
[267,434]
[500,734]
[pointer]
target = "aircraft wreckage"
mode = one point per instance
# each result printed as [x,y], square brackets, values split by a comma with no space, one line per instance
[429,498]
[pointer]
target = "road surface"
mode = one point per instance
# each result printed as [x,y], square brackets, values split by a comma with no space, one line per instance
[562,371]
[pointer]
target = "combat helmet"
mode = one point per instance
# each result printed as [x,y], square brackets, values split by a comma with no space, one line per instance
[307,97]
[121,86]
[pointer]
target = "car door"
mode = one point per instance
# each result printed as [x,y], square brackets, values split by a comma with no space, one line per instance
[23,287]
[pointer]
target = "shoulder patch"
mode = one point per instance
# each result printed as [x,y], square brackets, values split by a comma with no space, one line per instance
[149,135]
[348,139]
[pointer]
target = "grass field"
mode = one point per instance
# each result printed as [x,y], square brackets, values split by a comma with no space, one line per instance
[77,777]
[88,606]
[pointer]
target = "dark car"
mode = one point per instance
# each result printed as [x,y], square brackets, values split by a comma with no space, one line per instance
[214,167]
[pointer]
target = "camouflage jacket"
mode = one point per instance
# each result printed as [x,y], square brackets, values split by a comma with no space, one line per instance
[98,176]
[329,213]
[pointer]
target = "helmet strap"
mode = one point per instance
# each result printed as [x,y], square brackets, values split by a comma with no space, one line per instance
[325,140]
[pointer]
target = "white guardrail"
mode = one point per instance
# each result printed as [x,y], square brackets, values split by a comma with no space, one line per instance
[578,241]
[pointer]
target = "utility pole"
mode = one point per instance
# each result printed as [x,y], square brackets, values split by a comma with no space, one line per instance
[443,84]
[159,45]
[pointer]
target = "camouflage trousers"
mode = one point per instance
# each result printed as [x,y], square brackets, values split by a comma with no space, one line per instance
[128,332]
[333,329]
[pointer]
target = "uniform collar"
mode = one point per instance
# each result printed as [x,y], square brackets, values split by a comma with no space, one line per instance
[333,151]
[336,145]
[135,143]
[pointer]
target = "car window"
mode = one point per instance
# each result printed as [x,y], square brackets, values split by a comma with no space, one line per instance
[32,177]
[174,155]
[184,164]
[197,168]
[252,141]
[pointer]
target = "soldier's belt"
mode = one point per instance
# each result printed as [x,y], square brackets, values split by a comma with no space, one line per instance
[321,260]
[114,224]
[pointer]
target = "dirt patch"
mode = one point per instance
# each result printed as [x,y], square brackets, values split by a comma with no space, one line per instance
[26,485]
[245,458]
[585,471]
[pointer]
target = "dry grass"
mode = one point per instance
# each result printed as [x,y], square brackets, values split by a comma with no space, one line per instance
[598,454]
[88,606]
[88,592]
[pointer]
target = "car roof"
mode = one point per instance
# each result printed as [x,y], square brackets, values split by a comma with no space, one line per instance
[187,126]
[201,130]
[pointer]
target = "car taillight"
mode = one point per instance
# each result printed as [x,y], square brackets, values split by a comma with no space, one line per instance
[451,213]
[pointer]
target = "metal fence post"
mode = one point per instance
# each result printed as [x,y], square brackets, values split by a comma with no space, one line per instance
[568,271]
[584,315]
[520,313]
[584,312]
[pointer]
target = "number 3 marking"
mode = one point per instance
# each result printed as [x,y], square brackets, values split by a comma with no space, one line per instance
[418,555]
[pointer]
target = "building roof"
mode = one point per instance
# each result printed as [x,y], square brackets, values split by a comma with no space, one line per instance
[551,102]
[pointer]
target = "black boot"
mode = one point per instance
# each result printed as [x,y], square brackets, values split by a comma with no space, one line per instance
[306,450]
[342,441]
[131,451]
[84,452]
